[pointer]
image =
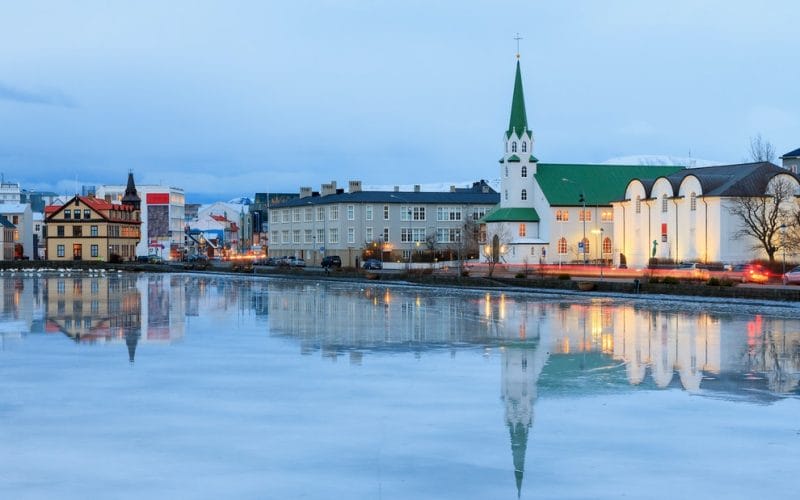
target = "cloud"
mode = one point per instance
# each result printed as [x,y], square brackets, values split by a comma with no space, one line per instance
[47,98]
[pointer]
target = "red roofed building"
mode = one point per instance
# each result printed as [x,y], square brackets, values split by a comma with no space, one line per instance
[88,228]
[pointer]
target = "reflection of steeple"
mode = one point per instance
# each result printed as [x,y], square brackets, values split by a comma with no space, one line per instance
[132,339]
[522,365]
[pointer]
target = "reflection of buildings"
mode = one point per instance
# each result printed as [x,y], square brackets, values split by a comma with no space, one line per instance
[162,308]
[94,309]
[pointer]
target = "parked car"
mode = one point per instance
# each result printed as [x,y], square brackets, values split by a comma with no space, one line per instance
[270,261]
[296,262]
[750,273]
[372,264]
[792,277]
[332,261]
[155,259]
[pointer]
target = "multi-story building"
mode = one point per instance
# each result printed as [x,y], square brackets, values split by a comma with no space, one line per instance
[6,239]
[9,192]
[259,213]
[162,217]
[791,161]
[21,216]
[89,228]
[390,224]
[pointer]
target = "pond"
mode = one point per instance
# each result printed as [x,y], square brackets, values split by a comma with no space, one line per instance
[206,386]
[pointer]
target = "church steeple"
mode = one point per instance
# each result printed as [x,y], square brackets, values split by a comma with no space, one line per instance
[518,123]
[131,197]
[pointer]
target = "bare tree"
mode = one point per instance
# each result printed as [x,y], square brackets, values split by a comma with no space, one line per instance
[762,217]
[496,242]
[761,149]
[468,242]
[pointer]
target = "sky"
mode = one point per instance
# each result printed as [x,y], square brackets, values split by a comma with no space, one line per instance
[226,99]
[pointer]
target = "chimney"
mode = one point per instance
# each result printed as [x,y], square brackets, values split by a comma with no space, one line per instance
[354,186]
[397,189]
[329,188]
[416,188]
[452,188]
[305,191]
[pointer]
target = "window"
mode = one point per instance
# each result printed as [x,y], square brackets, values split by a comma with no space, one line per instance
[76,214]
[320,236]
[334,212]
[586,245]
[524,195]
[478,213]
[334,235]
[562,246]
[59,230]
[296,236]
[309,214]
[368,211]
[448,235]
[522,230]
[693,202]
[351,235]
[524,171]
[285,215]
[295,215]
[320,214]
[87,214]
[386,212]
[506,170]
[607,245]
[308,236]
[95,251]
[514,147]
[93,231]
[448,213]
[524,146]
[386,234]
[505,194]
[607,216]
[60,250]
[368,234]
[274,238]
[585,215]
[419,213]
[664,203]
[412,213]
[67,215]
[77,231]
[351,212]
[285,236]
[562,215]
[638,204]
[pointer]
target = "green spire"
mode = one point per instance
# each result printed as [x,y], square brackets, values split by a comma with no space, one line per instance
[519,120]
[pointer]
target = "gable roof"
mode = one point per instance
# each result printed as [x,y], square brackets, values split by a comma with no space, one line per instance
[563,184]
[102,207]
[792,154]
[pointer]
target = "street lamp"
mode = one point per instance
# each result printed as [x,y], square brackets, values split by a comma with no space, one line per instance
[582,201]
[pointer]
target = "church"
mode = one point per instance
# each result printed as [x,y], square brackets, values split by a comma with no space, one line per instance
[591,214]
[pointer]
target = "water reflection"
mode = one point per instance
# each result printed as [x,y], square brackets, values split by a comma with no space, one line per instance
[544,345]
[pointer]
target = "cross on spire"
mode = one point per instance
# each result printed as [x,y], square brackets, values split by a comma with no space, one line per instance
[518,38]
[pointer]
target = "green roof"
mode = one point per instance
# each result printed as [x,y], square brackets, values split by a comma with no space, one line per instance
[501,160]
[562,184]
[519,120]
[533,159]
[511,215]
[513,158]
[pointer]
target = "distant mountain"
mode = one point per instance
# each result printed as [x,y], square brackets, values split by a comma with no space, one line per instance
[661,160]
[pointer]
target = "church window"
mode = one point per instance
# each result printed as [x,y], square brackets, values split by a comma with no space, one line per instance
[522,230]
[607,245]
[664,203]
[585,215]
[607,216]
[524,146]
[562,246]
[506,170]
[562,215]
[505,194]
[514,146]
[693,202]
[524,194]
[638,204]
[524,171]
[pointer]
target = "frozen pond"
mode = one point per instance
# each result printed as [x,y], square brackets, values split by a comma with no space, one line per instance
[192,386]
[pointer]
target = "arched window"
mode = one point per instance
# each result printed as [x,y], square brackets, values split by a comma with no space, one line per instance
[638,204]
[607,245]
[562,246]
[522,231]
[524,194]
[693,201]
[664,203]
[586,248]
[505,194]
[524,171]
[524,146]
[514,147]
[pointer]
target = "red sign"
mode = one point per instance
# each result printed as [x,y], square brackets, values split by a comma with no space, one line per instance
[158,198]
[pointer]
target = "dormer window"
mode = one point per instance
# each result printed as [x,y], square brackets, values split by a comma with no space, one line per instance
[524,169]
[524,146]
[514,147]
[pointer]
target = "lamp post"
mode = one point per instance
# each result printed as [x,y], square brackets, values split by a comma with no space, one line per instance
[783,244]
[582,201]
[599,233]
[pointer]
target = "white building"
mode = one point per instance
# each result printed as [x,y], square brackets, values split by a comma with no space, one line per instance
[9,192]
[162,215]
[7,230]
[21,216]
[686,215]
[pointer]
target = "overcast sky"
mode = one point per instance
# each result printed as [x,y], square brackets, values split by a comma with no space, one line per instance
[229,98]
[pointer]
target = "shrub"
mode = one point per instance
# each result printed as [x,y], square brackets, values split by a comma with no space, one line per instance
[654,279]
[726,282]
[519,275]
[670,280]
[564,277]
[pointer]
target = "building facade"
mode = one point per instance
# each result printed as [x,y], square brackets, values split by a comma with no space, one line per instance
[392,225]
[6,239]
[791,161]
[21,216]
